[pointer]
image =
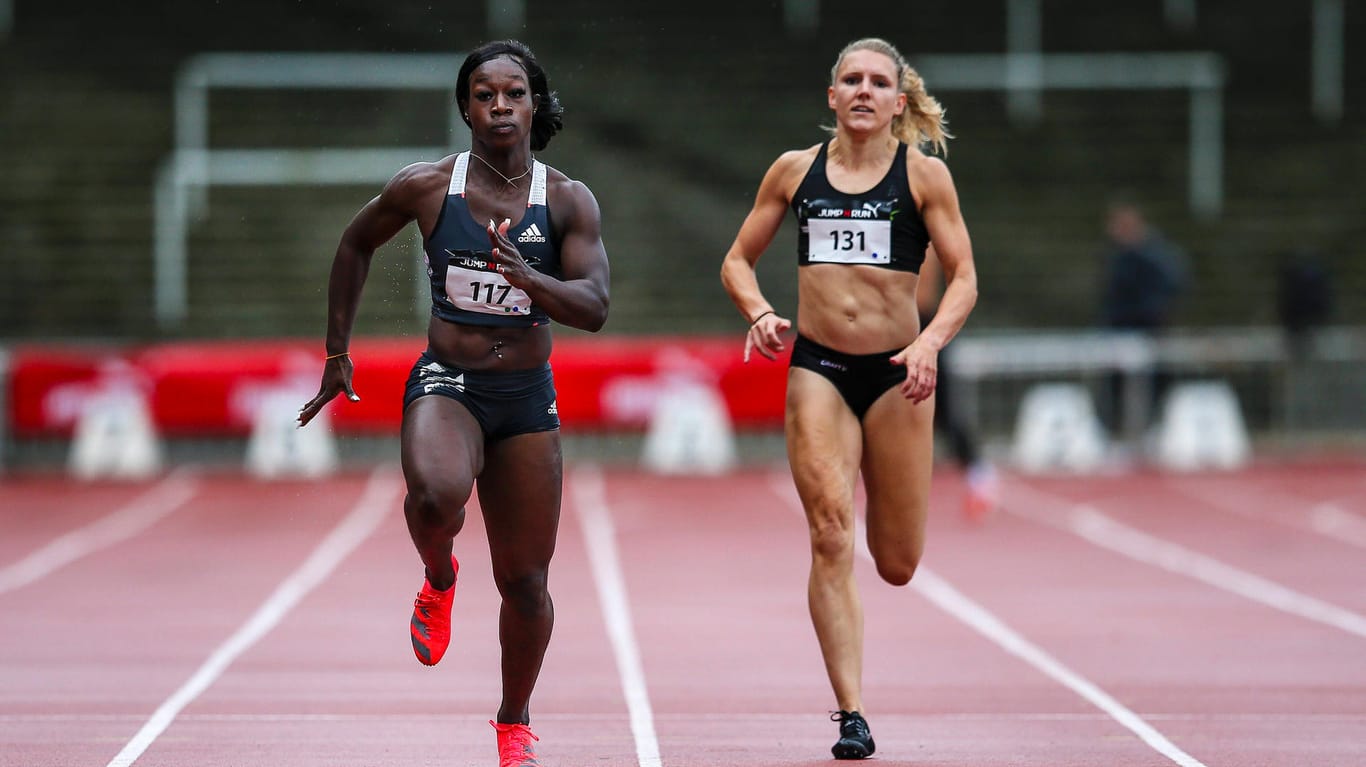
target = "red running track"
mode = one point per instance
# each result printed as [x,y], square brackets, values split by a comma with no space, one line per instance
[208,619]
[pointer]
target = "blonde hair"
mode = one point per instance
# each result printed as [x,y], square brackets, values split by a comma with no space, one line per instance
[922,121]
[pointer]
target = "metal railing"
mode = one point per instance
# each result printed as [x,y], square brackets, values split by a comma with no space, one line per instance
[192,166]
[1289,368]
[1201,74]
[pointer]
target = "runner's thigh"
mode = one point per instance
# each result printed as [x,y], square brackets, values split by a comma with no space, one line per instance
[898,456]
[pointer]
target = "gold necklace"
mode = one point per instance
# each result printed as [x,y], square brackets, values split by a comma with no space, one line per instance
[500,173]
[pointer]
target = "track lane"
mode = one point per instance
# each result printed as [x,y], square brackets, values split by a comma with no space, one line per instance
[37,510]
[109,637]
[1270,534]
[361,698]
[744,553]
[715,571]
[1219,665]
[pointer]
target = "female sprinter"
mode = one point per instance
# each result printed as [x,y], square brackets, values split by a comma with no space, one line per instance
[511,244]
[860,389]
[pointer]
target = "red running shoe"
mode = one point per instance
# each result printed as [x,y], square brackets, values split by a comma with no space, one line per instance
[514,745]
[982,496]
[431,624]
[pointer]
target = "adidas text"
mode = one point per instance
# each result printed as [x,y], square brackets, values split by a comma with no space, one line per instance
[532,234]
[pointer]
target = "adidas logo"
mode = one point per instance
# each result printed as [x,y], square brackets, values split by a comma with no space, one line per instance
[532,234]
[457,383]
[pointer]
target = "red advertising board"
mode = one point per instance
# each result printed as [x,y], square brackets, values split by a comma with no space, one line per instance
[212,388]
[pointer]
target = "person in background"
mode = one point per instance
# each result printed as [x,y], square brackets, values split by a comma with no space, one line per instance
[1144,274]
[1304,297]
[982,492]
[510,244]
[861,382]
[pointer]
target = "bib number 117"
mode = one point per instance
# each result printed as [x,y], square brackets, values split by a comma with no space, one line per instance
[489,289]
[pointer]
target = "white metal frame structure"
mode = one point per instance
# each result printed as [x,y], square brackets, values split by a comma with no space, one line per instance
[1024,71]
[1329,53]
[1068,355]
[1024,36]
[1202,74]
[192,167]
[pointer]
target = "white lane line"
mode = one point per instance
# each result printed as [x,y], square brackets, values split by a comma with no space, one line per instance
[1327,518]
[142,512]
[375,502]
[1083,520]
[1335,522]
[437,720]
[952,601]
[590,500]
[961,607]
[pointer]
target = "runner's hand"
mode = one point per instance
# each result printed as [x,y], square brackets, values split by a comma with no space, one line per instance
[336,379]
[765,337]
[511,264]
[922,371]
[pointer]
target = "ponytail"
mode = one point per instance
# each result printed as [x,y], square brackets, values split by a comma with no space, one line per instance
[922,121]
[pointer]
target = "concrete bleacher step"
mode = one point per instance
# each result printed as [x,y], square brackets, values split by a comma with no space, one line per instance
[675,168]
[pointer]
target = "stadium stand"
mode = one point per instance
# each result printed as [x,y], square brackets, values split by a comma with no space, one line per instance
[673,114]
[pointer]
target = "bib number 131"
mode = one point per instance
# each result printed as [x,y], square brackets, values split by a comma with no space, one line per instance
[850,242]
[843,239]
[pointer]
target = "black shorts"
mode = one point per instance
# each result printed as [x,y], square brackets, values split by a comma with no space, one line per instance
[504,404]
[859,378]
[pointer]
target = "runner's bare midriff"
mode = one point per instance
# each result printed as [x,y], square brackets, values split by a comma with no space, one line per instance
[864,309]
[475,347]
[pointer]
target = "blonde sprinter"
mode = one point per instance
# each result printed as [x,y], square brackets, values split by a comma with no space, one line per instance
[860,390]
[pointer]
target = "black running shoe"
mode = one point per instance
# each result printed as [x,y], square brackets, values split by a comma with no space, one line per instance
[855,742]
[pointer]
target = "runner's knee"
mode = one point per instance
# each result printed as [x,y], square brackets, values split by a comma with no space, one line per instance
[832,535]
[897,570]
[437,502]
[523,588]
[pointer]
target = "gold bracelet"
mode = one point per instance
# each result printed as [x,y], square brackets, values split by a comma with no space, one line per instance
[334,356]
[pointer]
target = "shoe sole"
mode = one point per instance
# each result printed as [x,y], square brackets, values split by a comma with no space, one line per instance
[850,751]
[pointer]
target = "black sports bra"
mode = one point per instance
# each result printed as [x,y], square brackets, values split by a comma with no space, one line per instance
[467,287]
[880,227]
